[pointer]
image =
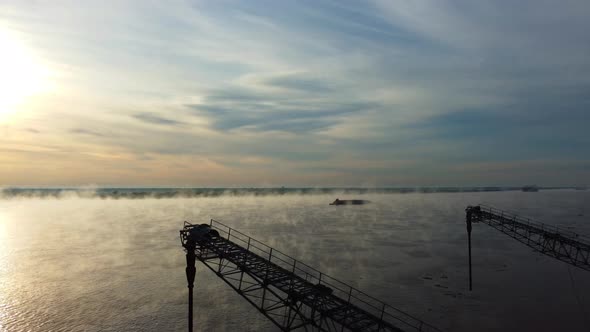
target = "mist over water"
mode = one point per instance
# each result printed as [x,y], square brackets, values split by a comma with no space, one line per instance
[140,193]
[88,264]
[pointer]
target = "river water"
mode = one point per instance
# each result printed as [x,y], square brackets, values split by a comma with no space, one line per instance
[90,264]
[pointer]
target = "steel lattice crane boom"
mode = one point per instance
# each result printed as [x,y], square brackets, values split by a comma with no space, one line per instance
[293,295]
[552,241]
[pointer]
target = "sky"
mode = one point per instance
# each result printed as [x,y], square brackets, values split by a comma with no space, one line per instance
[294,93]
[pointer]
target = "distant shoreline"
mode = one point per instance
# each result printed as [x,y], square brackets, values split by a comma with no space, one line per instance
[15,192]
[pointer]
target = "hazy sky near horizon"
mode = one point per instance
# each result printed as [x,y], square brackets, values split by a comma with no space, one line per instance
[272,93]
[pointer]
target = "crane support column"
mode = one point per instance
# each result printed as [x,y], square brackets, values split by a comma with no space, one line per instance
[468,222]
[190,277]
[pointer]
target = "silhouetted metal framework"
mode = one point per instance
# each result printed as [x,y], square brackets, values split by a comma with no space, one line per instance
[293,295]
[553,241]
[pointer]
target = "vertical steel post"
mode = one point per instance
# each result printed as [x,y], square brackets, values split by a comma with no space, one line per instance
[190,278]
[468,221]
[470,275]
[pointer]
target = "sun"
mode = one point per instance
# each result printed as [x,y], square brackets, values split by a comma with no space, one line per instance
[21,75]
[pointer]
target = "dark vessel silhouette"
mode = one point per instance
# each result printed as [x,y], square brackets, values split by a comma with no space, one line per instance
[349,202]
[531,188]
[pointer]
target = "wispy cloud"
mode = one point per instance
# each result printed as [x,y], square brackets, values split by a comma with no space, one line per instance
[84,131]
[299,105]
[157,120]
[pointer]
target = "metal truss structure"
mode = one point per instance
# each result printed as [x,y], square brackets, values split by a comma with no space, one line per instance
[291,294]
[552,241]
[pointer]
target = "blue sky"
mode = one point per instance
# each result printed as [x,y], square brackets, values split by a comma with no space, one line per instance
[296,93]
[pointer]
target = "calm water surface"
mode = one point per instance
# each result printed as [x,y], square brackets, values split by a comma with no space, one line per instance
[84,264]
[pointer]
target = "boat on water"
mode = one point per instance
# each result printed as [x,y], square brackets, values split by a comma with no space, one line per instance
[349,202]
[531,188]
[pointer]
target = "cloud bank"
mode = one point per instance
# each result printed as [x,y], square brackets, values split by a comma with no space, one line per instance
[259,93]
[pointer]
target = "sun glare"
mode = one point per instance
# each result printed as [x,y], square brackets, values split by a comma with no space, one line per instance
[21,76]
